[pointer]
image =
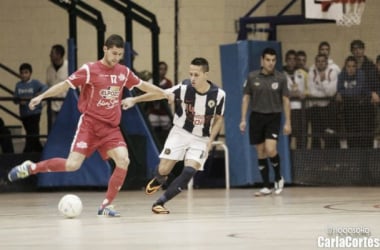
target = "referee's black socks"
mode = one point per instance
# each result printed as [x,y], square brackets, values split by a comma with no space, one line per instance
[276,167]
[264,171]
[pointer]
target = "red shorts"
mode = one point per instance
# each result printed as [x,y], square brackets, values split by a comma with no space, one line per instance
[94,135]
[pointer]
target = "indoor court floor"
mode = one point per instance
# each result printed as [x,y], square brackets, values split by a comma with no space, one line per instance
[301,218]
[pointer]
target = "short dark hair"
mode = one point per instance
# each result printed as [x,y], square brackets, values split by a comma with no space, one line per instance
[301,53]
[268,51]
[26,66]
[289,53]
[321,55]
[323,43]
[163,63]
[378,59]
[59,49]
[358,44]
[350,58]
[200,61]
[114,41]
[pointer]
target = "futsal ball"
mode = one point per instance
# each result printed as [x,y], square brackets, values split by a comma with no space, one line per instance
[70,206]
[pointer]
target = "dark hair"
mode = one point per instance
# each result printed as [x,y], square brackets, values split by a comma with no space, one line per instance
[323,43]
[321,55]
[378,59]
[350,58]
[163,63]
[358,44]
[25,66]
[301,53]
[289,53]
[59,49]
[268,51]
[114,41]
[200,61]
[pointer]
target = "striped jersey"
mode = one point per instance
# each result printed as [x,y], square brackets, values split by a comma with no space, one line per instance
[195,112]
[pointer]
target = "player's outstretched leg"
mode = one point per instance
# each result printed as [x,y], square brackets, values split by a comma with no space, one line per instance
[173,190]
[20,171]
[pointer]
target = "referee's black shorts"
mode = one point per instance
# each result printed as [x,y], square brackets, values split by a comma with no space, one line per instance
[264,126]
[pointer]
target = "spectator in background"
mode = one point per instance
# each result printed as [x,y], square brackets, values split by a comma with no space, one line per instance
[56,72]
[352,92]
[324,48]
[25,90]
[322,84]
[301,60]
[368,67]
[297,82]
[6,143]
[375,98]
[158,111]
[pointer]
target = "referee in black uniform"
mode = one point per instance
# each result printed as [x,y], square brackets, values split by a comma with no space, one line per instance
[267,93]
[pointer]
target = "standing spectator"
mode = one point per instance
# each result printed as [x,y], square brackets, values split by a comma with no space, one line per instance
[102,84]
[25,90]
[297,82]
[267,93]
[56,72]
[367,108]
[324,48]
[158,111]
[198,118]
[323,79]
[375,98]
[352,92]
[301,60]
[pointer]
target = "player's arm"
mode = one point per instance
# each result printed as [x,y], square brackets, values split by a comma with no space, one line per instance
[244,109]
[153,93]
[215,130]
[286,107]
[52,91]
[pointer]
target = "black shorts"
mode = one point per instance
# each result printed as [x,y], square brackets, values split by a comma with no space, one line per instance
[264,126]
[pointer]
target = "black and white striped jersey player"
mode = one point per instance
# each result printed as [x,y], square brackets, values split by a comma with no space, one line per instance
[198,117]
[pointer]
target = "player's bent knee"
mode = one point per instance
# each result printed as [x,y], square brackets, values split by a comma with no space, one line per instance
[72,166]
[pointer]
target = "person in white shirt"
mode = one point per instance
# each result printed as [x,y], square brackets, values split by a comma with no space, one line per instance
[56,72]
[322,81]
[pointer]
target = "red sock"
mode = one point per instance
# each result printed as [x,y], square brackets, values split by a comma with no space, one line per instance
[51,165]
[114,185]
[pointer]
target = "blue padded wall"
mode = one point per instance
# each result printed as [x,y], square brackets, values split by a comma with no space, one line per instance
[237,60]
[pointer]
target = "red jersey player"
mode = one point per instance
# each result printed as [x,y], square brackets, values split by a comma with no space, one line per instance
[101,86]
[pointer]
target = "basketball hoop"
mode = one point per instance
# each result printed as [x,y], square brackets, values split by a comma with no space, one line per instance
[352,12]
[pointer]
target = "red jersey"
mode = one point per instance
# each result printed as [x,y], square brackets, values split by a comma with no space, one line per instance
[101,90]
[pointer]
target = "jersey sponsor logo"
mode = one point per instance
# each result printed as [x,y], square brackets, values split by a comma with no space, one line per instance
[275,85]
[211,103]
[110,97]
[121,77]
[82,144]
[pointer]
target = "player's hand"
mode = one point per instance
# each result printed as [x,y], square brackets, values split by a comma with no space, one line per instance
[242,126]
[34,102]
[128,103]
[287,129]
